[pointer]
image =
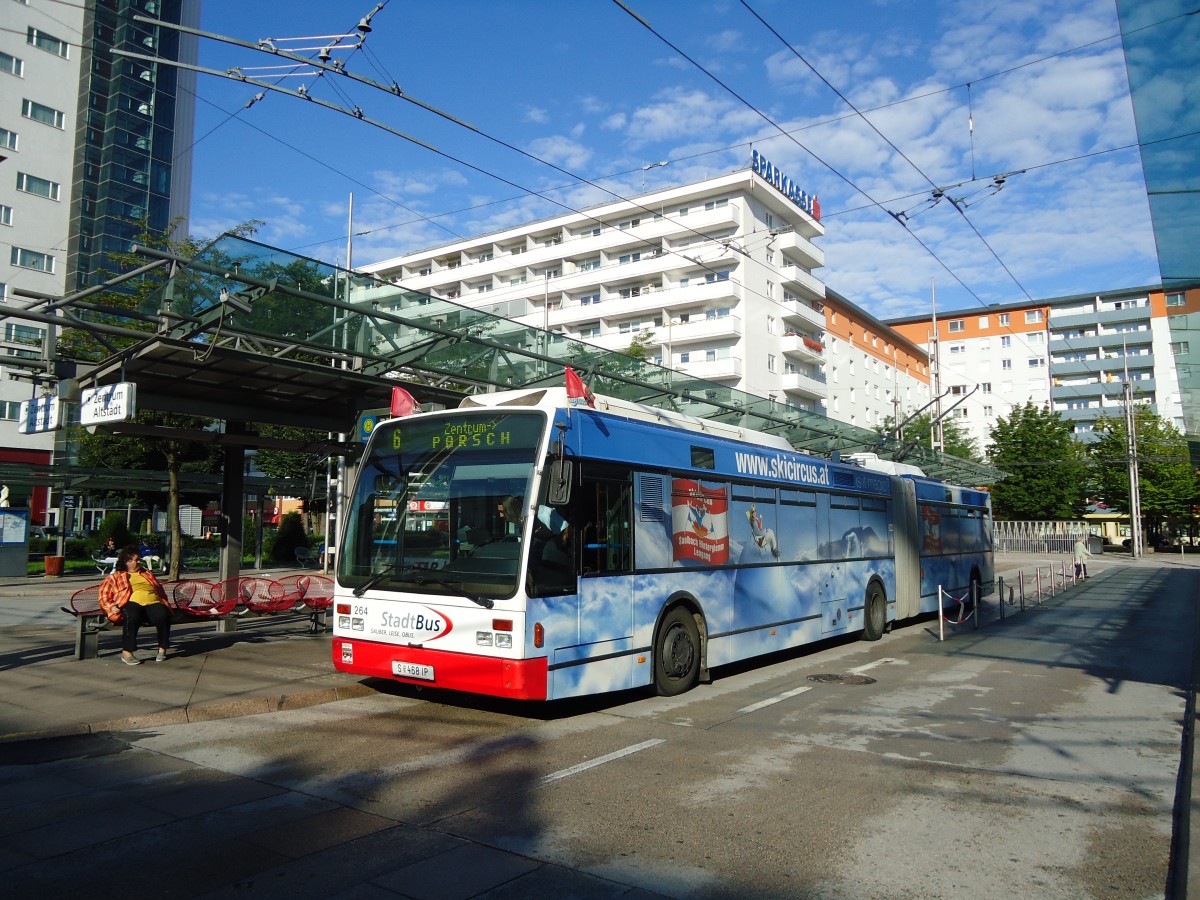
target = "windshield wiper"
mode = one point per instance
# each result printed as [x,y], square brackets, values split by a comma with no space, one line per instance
[419,577]
[379,576]
[424,578]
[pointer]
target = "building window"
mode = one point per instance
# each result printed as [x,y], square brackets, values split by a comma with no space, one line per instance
[588,331]
[1033,316]
[1036,337]
[31,184]
[8,139]
[1172,299]
[770,324]
[625,258]
[47,42]
[770,258]
[483,288]
[1005,319]
[589,299]
[12,65]
[957,390]
[987,411]
[956,325]
[710,277]
[629,223]
[716,204]
[983,322]
[770,362]
[30,259]
[517,279]
[47,115]
[771,290]
[958,348]
[1006,364]
[683,210]
[485,256]
[588,265]
[5,214]
[718,313]
[1036,362]
[1005,342]
[986,387]
[1178,348]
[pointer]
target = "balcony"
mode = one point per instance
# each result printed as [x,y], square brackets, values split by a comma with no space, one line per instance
[1110,390]
[803,348]
[803,314]
[800,385]
[797,248]
[699,331]
[1102,317]
[803,283]
[713,370]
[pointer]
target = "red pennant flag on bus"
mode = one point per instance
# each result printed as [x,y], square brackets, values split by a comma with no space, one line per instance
[577,392]
[404,403]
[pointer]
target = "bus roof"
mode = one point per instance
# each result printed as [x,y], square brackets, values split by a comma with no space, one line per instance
[556,398]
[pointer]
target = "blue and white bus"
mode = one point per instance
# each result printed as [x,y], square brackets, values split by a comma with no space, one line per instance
[522,547]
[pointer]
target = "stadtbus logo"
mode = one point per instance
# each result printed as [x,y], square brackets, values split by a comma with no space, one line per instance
[423,623]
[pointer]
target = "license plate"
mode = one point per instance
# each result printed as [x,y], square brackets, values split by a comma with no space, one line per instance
[412,670]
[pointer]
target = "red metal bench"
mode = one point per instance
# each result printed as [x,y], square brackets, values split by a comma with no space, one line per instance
[314,592]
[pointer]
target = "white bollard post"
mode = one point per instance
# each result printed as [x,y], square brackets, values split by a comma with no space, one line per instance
[1000,580]
[941,619]
[1038,573]
[1021,584]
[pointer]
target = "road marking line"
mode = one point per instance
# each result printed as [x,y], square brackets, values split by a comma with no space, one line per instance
[601,760]
[870,665]
[773,700]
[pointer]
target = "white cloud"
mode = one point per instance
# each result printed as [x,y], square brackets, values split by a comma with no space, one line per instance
[561,150]
[615,122]
[536,114]
[726,41]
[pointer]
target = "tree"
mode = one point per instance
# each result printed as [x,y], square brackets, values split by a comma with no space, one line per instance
[1047,468]
[172,455]
[306,468]
[142,296]
[917,432]
[1167,482]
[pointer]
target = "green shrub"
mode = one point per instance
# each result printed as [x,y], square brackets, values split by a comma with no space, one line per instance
[289,536]
[114,527]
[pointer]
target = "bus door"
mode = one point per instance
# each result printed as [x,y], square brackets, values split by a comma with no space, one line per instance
[604,518]
[906,541]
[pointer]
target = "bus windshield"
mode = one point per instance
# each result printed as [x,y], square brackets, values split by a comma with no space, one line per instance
[440,505]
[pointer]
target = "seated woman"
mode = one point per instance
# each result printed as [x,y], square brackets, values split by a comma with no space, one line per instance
[133,593]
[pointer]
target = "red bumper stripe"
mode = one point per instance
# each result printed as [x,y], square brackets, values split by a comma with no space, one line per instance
[519,679]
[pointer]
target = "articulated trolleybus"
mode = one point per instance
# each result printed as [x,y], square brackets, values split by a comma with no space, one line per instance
[522,547]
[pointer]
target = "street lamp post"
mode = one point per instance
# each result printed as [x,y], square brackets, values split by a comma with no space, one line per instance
[648,166]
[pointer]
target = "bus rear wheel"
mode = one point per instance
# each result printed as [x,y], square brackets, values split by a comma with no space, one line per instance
[874,613]
[676,653]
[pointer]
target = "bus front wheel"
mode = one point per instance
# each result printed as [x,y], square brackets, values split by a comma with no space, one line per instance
[676,653]
[874,613]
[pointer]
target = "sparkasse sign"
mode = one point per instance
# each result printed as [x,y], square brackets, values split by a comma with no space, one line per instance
[111,403]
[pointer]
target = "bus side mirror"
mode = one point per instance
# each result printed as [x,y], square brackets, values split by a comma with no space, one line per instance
[558,488]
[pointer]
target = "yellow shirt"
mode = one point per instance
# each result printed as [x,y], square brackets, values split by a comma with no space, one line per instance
[143,590]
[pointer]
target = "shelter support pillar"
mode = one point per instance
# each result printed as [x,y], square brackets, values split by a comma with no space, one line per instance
[231,509]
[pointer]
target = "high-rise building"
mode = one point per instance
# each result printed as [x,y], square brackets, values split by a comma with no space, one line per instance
[715,279]
[1072,353]
[90,144]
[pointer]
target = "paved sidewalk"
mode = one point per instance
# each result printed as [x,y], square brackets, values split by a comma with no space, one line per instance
[268,663]
[274,663]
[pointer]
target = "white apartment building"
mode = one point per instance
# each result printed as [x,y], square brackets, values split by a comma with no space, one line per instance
[716,276]
[1074,353]
[39,93]
[873,372]
[91,144]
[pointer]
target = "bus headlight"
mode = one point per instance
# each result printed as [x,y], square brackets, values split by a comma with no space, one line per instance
[483,639]
[504,640]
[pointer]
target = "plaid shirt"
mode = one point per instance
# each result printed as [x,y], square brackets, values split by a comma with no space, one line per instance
[116,590]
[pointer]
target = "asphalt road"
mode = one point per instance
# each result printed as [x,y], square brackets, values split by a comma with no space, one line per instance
[1034,757]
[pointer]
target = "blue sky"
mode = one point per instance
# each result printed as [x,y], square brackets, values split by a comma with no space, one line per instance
[587,87]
